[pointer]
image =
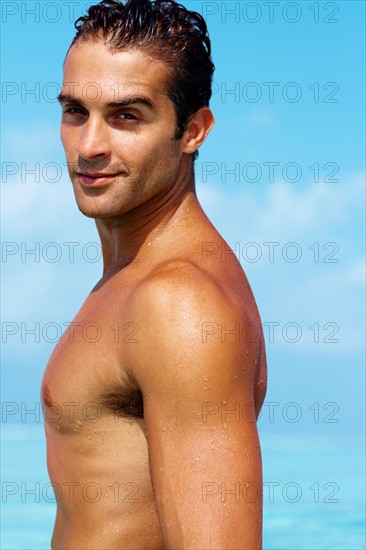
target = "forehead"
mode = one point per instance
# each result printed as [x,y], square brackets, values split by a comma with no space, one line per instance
[91,70]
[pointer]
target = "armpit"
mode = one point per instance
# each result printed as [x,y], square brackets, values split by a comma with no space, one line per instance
[129,404]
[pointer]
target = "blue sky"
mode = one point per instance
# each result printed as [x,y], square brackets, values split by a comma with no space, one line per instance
[281,176]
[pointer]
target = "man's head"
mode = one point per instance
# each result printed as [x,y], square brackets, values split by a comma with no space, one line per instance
[167,32]
[134,105]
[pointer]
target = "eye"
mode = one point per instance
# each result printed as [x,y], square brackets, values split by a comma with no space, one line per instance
[127,116]
[73,110]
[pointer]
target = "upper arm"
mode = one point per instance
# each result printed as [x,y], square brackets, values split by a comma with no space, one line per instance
[198,408]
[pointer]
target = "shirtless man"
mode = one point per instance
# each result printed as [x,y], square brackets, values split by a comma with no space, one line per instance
[151,395]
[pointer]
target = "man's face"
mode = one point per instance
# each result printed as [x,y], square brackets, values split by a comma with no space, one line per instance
[117,129]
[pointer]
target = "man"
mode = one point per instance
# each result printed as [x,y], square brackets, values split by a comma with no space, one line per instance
[152,394]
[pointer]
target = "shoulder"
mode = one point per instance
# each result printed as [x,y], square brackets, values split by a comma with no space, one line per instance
[179,287]
[181,292]
[188,328]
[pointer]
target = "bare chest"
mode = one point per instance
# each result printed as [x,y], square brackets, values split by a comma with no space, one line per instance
[88,377]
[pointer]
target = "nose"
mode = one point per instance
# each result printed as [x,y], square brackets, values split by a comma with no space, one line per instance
[93,140]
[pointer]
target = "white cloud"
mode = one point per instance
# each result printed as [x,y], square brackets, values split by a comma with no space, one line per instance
[283,212]
[307,291]
[42,210]
[35,215]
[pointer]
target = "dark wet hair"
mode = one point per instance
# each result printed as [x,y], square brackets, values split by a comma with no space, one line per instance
[168,32]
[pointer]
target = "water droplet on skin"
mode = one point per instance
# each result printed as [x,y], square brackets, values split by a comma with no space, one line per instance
[81,450]
[205,379]
[89,436]
[161,469]
[164,428]
[106,494]
[78,422]
[247,352]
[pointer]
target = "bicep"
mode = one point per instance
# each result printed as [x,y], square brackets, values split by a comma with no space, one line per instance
[203,449]
[207,480]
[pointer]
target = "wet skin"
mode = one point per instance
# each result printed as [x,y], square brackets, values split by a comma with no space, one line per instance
[137,393]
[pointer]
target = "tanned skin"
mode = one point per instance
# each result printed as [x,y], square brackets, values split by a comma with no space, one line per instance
[141,446]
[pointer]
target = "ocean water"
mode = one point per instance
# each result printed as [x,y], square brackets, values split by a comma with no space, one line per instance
[314,491]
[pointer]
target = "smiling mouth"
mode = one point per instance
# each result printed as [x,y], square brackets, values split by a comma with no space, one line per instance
[98,178]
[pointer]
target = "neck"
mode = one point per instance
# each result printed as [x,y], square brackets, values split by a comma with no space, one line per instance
[127,238]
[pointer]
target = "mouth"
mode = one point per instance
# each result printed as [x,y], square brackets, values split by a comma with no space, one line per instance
[96,179]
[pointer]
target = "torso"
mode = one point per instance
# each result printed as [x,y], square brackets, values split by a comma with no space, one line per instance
[97,451]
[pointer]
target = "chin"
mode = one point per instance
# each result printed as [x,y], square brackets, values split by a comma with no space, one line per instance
[100,213]
[103,212]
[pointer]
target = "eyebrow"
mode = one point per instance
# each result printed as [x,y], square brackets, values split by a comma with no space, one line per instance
[66,98]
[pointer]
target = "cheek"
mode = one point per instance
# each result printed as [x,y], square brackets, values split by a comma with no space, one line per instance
[160,147]
[145,153]
[158,161]
[70,137]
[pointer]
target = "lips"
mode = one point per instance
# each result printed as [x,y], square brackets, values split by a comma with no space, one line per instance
[98,178]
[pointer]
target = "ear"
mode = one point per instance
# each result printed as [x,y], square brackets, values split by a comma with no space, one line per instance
[198,127]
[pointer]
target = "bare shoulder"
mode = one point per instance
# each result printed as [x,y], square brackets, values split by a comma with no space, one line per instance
[176,287]
[177,299]
[191,327]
